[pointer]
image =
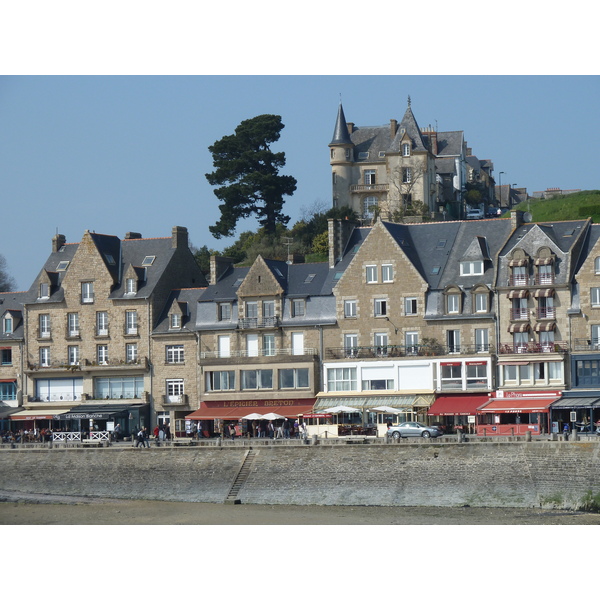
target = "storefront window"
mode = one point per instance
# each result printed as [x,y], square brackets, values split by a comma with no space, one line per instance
[220,380]
[293,378]
[257,379]
[118,387]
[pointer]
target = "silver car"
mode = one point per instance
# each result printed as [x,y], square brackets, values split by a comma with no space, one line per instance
[413,429]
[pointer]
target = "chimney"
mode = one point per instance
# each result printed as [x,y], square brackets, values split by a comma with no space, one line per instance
[58,241]
[516,218]
[339,234]
[179,237]
[132,235]
[295,258]
[218,267]
[350,127]
[393,128]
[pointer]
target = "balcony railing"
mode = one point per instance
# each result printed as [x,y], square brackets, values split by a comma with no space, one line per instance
[84,363]
[180,399]
[544,279]
[392,351]
[246,354]
[533,347]
[256,323]
[519,314]
[548,312]
[518,280]
[587,345]
[372,187]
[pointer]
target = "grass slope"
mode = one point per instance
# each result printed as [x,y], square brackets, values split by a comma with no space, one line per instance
[580,205]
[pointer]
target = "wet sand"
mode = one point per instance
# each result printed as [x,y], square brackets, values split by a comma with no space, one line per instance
[33,509]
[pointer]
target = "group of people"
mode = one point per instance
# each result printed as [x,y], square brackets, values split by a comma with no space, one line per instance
[277,429]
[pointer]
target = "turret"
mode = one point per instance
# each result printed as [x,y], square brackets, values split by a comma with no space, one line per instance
[341,158]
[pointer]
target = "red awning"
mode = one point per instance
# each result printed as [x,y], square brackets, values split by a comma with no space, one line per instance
[225,410]
[457,404]
[518,405]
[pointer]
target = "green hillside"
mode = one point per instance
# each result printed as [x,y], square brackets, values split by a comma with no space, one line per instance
[563,208]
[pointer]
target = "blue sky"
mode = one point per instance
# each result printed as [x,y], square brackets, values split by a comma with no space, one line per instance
[129,153]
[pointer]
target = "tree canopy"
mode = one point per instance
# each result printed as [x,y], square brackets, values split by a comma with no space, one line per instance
[7,283]
[247,172]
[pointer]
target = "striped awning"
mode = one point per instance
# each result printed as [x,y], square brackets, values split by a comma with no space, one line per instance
[519,327]
[521,262]
[543,293]
[518,294]
[544,261]
[549,326]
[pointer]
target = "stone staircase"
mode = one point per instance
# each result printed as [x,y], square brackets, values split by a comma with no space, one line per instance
[240,478]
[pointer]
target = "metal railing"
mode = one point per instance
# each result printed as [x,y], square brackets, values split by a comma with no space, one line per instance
[246,354]
[405,351]
[533,348]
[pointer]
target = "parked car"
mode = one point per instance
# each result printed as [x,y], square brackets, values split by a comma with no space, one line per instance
[413,429]
[474,213]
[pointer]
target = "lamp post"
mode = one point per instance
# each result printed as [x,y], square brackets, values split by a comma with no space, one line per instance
[500,180]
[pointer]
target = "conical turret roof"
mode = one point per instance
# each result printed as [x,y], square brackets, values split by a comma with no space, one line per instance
[340,133]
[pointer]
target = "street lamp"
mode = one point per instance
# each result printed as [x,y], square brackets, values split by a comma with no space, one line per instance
[500,180]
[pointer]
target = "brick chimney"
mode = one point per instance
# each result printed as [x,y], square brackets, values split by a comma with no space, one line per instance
[58,241]
[393,128]
[132,235]
[218,267]
[339,233]
[516,218]
[350,127]
[179,237]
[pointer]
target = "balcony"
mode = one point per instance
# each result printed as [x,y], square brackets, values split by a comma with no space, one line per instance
[587,345]
[391,351]
[245,354]
[372,187]
[256,323]
[180,400]
[544,279]
[518,280]
[533,348]
[519,314]
[548,312]
[86,365]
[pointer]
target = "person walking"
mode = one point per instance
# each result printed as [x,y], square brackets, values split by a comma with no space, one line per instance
[232,432]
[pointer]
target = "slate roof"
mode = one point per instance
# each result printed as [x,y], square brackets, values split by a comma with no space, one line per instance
[12,302]
[340,132]
[187,296]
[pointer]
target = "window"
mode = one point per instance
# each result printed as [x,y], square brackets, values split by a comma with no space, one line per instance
[381,344]
[298,307]
[268,345]
[377,384]
[473,267]
[148,260]
[406,175]
[588,373]
[224,345]
[370,204]
[387,273]
[595,337]
[102,354]
[371,273]
[8,390]
[370,177]
[268,309]
[481,302]
[62,265]
[481,340]
[73,355]
[102,323]
[130,286]
[258,379]
[545,275]
[453,340]
[453,303]
[252,310]
[293,378]
[595,296]
[175,321]
[45,357]
[175,354]
[252,344]
[411,342]
[44,291]
[175,390]
[520,341]
[350,309]
[477,375]
[410,306]
[8,324]
[218,381]
[405,149]
[380,307]
[518,276]
[350,345]
[131,353]
[363,155]
[131,322]
[119,387]
[73,324]
[597,265]
[555,370]
[44,326]
[341,379]
[87,292]
[451,375]
[224,311]
[547,341]
[5,356]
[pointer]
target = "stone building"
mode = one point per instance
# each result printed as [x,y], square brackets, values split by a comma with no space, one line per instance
[88,319]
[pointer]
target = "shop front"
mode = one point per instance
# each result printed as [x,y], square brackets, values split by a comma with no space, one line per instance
[511,413]
[578,410]
[369,415]
[456,412]
[215,417]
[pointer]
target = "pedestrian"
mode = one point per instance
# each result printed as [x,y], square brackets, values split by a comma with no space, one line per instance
[232,432]
[167,432]
[286,429]
[139,438]
[302,429]
[116,432]
[271,429]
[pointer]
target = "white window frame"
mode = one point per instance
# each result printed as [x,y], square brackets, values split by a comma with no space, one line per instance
[453,341]
[87,292]
[481,302]
[406,174]
[453,302]
[380,307]
[73,355]
[131,353]
[342,379]
[370,204]
[175,354]
[597,265]
[411,342]
[45,329]
[73,324]
[595,296]
[102,354]
[8,324]
[405,149]
[102,323]
[251,309]
[131,286]
[471,268]
[220,381]
[380,343]
[44,291]
[371,274]
[350,345]
[387,273]
[175,389]
[350,309]
[44,356]
[268,344]
[131,322]
[410,303]
[482,343]
[298,307]
[370,176]
[175,321]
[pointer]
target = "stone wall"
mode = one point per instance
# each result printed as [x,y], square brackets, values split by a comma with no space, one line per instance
[549,474]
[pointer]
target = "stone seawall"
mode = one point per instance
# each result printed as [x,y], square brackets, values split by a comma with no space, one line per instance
[529,474]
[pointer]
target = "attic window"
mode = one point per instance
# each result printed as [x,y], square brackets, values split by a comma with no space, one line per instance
[148,260]
[110,259]
[435,270]
[278,272]
[381,154]
[338,275]
[363,155]
[310,278]
[569,233]
[238,282]
[441,244]
[355,249]
[62,265]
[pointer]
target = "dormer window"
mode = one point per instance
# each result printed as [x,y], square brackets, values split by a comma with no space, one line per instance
[131,286]
[8,324]
[44,291]
[453,300]
[175,321]
[405,149]
[471,267]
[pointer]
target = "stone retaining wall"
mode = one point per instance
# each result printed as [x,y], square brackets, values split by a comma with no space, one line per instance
[549,474]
